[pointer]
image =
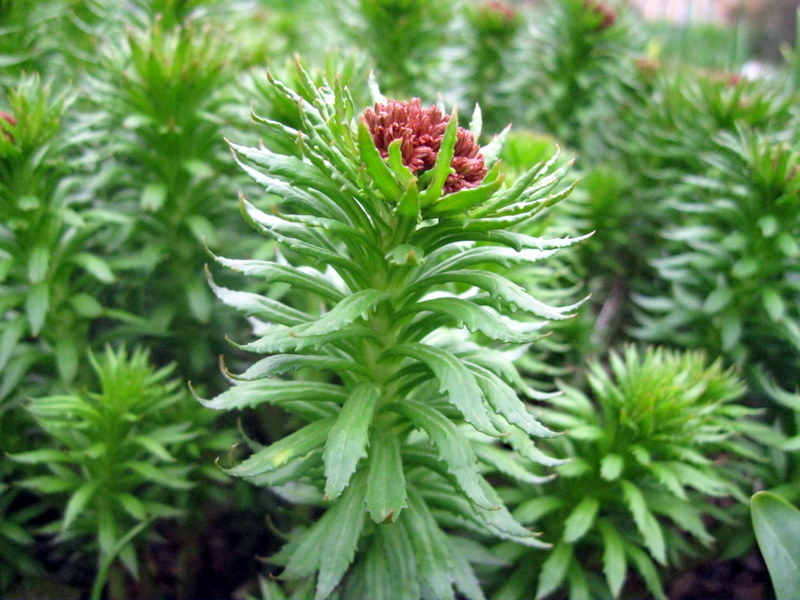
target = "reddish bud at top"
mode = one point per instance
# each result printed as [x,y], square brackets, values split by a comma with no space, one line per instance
[10,120]
[602,10]
[421,131]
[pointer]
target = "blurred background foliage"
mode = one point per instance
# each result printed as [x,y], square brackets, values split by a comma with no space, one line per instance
[115,181]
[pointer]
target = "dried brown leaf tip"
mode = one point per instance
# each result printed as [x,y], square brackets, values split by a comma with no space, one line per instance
[607,14]
[421,131]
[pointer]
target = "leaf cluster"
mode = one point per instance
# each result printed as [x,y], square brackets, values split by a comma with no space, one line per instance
[642,446]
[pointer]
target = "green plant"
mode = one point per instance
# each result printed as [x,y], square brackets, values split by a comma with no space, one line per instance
[777,527]
[392,219]
[730,259]
[644,448]
[492,32]
[162,94]
[124,455]
[582,70]
[50,270]
[404,39]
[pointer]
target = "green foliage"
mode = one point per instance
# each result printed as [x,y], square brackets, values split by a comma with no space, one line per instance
[407,422]
[777,527]
[404,38]
[582,70]
[642,467]
[731,258]
[162,92]
[49,269]
[125,454]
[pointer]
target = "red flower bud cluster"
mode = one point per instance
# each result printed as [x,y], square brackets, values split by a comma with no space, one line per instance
[421,131]
[10,120]
[609,16]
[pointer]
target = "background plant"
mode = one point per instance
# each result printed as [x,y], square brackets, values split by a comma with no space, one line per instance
[644,447]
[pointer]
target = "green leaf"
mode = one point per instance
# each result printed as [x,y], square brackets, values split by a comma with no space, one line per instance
[463,576]
[36,305]
[153,197]
[386,481]
[277,364]
[534,509]
[199,300]
[475,318]
[77,503]
[444,158]
[431,549]
[67,358]
[646,523]
[581,519]
[269,272]
[159,475]
[615,566]
[646,569]
[463,200]
[256,305]
[400,555]
[453,447]
[348,438]
[248,394]
[500,288]
[505,401]
[12,333]
[777,527]
[611,466]
[294,445]
[95,266]
[380,174]
[345,520]
[554,569]
[773,304]
[455,380]
[38,263]
[331,326]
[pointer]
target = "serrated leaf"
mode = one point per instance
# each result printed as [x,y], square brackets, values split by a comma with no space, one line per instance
[611,466]
[463,200]
[386,481]
[500,288]
[294,445]
[334,323]
[434,563]
[581,519]
[278,364]
[554,569]
[475,318]
[463,576]
[455,380]
[345,520]
[256,305]
[248,394]
[503,399]
[777,527]
[453,447]
[348,438]
[400,555]
[270,272]
[615,566]
[647,570]
[444,158]
[646,523]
